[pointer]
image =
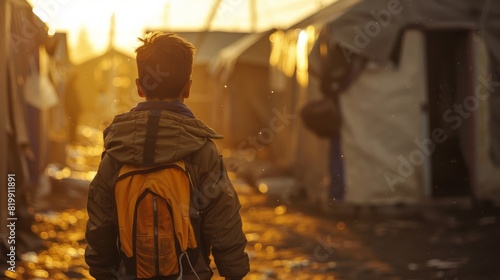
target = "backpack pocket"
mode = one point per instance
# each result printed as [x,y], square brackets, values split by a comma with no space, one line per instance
[155,245]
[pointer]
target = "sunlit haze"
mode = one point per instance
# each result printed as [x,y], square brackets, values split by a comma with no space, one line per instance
[133,17]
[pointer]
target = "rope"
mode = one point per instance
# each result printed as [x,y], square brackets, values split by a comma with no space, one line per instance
[182,269]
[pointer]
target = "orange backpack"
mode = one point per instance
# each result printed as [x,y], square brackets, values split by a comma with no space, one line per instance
[154,205]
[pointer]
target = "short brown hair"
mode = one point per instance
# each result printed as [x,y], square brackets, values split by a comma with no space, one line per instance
[165,64]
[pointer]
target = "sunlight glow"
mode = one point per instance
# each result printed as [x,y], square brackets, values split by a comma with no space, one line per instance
[133,17]
[263,188]
[302,58]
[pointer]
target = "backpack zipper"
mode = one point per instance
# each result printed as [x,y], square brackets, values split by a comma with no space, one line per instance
[155,213]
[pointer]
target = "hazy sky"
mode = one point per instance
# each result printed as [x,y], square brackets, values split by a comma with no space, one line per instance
[134,16]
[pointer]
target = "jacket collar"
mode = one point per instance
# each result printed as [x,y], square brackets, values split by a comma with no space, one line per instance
[173,106]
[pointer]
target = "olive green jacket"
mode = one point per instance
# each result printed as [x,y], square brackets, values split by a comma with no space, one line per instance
[178,137]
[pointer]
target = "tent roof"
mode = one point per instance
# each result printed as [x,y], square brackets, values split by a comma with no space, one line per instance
[253,48]
[110,52]
[325,15]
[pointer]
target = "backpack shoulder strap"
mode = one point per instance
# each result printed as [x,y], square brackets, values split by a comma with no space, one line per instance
[153,125]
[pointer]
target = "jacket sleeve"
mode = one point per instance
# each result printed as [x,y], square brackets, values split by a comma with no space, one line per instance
[102,253]
[221,220]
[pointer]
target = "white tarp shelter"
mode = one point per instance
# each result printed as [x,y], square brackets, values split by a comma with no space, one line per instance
[420,115]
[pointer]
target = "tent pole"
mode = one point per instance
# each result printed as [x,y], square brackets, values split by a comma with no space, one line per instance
[253,15]
[208,24]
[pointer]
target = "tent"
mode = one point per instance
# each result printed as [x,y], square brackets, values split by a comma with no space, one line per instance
[241,88]
[105,87]
[202,99]
[22,35]
[417,123]
[294,148]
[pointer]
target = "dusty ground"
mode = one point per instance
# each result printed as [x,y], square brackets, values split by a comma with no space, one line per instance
[297,242]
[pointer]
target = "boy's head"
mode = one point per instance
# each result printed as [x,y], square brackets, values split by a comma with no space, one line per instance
[164,63]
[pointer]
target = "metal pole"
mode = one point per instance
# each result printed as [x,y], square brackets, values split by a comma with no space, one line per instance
[253,15]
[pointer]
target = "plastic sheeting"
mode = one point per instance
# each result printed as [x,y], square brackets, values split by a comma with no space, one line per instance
[381,120]
[488,173]
[381,109]
[373,29]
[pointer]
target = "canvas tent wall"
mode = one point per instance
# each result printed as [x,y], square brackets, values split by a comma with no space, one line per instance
[295,148]
[385,111]
[241,89]
[104,86]
[22,34]
[387,19]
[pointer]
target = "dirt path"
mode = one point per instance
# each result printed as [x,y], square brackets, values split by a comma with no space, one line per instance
[293,242]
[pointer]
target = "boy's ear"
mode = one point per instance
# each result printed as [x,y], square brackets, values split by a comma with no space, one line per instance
[139,89]
[187,89]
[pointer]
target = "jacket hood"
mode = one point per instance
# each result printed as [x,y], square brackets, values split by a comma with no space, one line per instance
[178,136]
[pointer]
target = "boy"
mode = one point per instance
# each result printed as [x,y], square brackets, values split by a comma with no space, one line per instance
[165,64]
